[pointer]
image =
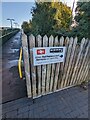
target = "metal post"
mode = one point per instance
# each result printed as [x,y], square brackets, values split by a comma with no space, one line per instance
[11,21]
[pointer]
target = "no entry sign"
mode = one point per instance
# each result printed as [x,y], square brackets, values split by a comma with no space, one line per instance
[48,55]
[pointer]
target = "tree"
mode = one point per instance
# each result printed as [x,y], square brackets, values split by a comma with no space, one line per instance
[82,18]
[26,27]
[50,17]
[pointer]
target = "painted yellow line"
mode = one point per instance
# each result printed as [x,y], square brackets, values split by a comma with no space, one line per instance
[19,64]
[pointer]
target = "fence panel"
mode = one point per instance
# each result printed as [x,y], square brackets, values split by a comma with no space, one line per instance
[48,78]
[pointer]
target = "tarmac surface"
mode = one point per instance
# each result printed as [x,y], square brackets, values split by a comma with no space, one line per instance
[68,103]
[12,86]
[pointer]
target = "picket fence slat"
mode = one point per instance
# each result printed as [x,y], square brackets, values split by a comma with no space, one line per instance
[33,69]
[51,77]
[39,43]
[84,71]
[27,71]
[26,64]
[61,42]
[56,67]
[52,68]
[87,74]
[28,84]
[44,67]
[24,40]
[62,65]
[49,67]
[67,61]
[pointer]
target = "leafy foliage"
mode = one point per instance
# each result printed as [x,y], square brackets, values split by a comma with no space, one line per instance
[26,27]
[83,19]
[49,18]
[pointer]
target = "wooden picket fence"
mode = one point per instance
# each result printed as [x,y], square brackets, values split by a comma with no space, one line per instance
[44,79]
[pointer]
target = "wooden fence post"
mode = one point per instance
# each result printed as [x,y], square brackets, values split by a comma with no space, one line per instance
[26,64]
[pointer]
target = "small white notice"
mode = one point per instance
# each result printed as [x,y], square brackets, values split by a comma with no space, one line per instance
[48,55]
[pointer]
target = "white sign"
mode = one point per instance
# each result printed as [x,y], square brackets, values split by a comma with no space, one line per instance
[48,55]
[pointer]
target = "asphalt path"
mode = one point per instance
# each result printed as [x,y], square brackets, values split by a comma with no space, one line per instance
[12,86]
